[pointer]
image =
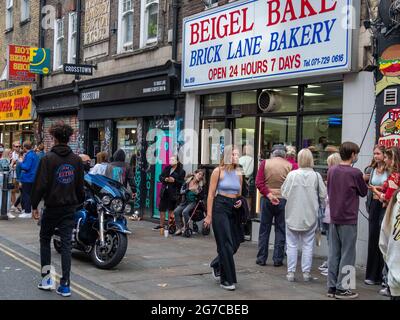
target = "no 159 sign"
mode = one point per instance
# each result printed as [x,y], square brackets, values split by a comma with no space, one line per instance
[258,40]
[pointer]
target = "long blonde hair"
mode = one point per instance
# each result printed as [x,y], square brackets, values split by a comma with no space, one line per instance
[226,159]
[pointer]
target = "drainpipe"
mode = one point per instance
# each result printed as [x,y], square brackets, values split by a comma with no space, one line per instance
[175,13]
[41,35]
[78,33]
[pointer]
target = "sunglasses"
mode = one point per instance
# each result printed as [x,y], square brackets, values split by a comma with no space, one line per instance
[17,146]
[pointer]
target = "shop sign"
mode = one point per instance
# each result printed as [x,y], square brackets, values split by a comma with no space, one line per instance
[15,104]
[262,40]
[97,21]
[19,58]
[130,90]
[39,61]
[390,129]
[81,69]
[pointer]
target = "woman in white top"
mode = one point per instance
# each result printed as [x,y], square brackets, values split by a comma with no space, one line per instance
[102,162]
[300,189]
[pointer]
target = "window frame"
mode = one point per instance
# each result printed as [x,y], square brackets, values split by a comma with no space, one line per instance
[72,36]
[144,37]
[123,46]
[25,10]
[58,40]
[9,14]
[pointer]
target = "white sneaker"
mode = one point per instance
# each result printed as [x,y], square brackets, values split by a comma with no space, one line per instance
[384,292]
[324,272]
[290,276]
[13,209]
[25,215]
[307,277]
[323,266]
[10,215]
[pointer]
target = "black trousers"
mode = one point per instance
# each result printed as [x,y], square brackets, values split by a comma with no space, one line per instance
[26,197]
[227,234]
[375,262]
[63,220]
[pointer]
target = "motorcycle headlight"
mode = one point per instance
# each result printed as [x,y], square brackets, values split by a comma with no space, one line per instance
[128,209]
[117,205]
[106,200]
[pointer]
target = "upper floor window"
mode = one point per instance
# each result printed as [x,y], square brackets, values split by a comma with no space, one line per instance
[72,36]
[58,43]
[25,7]
[9,14]
[210,3]
[125,22]
[150,21]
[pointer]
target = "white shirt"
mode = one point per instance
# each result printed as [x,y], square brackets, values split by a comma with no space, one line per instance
[247,162]
[99,168]
[300,189]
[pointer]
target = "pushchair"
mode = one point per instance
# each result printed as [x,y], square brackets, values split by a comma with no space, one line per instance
[198,214]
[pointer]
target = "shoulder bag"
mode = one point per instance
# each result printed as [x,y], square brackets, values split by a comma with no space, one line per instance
[320,217]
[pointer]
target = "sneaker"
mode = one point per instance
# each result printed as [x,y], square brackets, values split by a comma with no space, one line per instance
[278,264]
[331,292]
[346,294]
[325,272]
[371,282]
[64,291]
[261,263]
[46,284]
[178,232]
[13,209]
[215,274]
[307,277]
[323,266]
[384,292]
[25,216]
[157,227]
[10,215]
[227,286]
[290,276]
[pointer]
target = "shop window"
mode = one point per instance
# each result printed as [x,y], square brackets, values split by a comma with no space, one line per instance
[58,43]
[214,136]
[125,22]
[244,102]
[72,37]
[214,105]
[322,134]
[25,7]
[9,14]
[323,97]
[279,100]
[150,10]
[127,137]
[210,3]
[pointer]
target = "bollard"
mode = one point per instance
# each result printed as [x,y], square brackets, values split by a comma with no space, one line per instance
[4,197]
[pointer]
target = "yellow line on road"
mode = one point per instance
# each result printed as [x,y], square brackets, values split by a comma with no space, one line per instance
[89,295]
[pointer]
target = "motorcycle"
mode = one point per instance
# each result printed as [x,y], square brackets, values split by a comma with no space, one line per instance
[100,226]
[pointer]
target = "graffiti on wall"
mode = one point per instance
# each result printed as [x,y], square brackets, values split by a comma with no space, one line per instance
[389,67]
[107,139]
[390,129]
[139,165]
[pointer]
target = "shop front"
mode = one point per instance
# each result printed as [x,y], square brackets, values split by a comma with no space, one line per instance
[143,117]
[17,122]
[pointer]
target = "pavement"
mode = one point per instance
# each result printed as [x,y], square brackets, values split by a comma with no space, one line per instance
[155,268]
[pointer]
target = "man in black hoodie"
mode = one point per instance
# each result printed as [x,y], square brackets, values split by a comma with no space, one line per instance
[120,171]
[59,180]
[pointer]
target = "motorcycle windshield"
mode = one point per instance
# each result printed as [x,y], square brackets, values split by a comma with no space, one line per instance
[103,185]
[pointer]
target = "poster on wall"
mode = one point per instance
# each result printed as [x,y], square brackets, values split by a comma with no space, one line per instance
[16,104]
[389,130]
[256,41]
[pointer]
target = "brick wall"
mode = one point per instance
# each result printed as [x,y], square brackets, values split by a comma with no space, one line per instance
[72,120]
[26,33]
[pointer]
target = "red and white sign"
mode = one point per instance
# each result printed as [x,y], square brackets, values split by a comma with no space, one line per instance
[261,40]
[19,63]
[390,129]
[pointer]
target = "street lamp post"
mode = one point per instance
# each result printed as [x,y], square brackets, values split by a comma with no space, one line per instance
[4,197]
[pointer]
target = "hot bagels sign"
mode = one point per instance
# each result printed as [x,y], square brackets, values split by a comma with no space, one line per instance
[261,40]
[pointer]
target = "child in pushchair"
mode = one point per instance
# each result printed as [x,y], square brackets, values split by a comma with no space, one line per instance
[191,207]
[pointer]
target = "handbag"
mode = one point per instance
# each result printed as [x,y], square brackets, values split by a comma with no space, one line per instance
[320,217]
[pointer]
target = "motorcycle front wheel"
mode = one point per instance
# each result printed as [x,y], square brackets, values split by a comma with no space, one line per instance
[112,252]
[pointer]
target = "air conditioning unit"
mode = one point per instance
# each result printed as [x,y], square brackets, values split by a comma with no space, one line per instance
[269,101]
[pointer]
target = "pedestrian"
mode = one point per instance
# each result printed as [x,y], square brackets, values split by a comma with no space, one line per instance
[377,177]
[172,179]
[389,244]
[40,151]
[60,183]
[14,159]
[223,199]
[28,172]
[345,186]
[305,189]
[385,192]
[270,177]
[333,160]
[120,171]
[87,162]
[291,156]
[192,192]
[101,165]
[18,201]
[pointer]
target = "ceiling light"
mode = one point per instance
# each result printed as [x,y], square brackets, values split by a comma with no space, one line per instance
[310,94]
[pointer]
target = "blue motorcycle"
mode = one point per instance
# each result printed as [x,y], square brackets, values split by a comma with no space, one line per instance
[100,226]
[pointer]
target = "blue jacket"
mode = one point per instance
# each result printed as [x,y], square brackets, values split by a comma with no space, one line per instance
[29,167]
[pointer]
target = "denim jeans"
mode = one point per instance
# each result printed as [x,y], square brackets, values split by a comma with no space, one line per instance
[277,214]
[186,210]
